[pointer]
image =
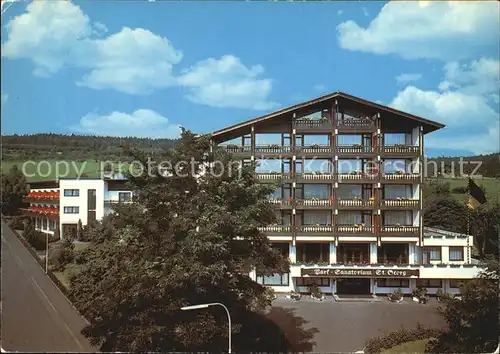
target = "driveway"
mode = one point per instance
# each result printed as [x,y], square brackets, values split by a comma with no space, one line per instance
[345,326]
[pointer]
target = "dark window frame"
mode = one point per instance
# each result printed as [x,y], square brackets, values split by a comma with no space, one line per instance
[403,283]
[301,281]
[427,283]
[456,248]
[285,279]
[74,210]
[71,192]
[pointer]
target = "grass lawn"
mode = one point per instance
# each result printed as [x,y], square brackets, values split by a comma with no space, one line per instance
[491,185]
[416,346]
[65,275]
[51,169]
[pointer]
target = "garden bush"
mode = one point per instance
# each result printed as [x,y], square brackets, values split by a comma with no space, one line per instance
[379,344]
[17,222]
[459,190]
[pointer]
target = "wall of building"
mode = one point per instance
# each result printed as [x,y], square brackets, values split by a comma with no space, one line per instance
[83,185]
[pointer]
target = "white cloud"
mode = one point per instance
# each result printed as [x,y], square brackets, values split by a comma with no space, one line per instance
[365,11]
[435,30]
[320,87]
[227,82]
[404,78]
[5,97]
[466,104]
[340,12]
[141,123]
[57,34]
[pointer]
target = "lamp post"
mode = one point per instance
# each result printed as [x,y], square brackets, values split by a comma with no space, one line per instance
[204,306]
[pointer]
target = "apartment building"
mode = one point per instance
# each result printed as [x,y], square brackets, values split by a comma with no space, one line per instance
[64,202]
[349,191]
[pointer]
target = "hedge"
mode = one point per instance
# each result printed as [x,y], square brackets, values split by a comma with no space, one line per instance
[379,344]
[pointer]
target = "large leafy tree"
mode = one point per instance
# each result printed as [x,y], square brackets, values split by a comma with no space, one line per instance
[189,238]
[473,322]
[13,191]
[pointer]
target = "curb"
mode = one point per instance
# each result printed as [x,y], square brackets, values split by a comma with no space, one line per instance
[50,274]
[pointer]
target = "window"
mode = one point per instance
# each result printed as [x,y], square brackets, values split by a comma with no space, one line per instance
[397,191]
[348,192]
[311,281]
[393,283]
[124,197]
[456,253]
[71,210]
[283,247]
[397,217]
[52,225]
[275,279]
[44,224]
[454,283]
[394,165]
[429,283]
[434,253]
[319,191]
[71,192]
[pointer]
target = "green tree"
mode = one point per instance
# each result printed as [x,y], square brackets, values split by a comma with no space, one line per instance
[473,322]
[13,191]
[445,213]
[187,240]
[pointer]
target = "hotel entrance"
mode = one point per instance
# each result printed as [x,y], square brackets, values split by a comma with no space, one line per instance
[353,286]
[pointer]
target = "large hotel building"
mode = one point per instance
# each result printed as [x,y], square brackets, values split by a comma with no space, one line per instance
[349,198]
[349,193]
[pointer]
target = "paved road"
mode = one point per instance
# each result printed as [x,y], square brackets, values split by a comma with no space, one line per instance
[345,326]
[36,317]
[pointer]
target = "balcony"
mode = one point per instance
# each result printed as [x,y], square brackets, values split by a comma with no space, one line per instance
[309,124]
[276,230]
[273,149]
[313,150]
[354,150]
[400,203]
[400,230]
[314,177]
[314,203]
[237,150]
[272,177]
[400,177]
[282,203]
[399,150]
[356,125]
[401,259]
[357,177]
[314,230]
[355,230]
[355,204]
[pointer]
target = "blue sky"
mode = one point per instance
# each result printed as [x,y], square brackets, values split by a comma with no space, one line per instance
[144,68]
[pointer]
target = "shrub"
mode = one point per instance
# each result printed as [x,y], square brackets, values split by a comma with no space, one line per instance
[379,344]
[396,295]
[459,190]
[17,222]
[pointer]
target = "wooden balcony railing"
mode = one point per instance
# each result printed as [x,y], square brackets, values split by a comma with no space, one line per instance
[314,176]
[399,149]
[354,149]
[357,176]
[400,229]
[355,203]
[312,124]
[272,176]
[401,176]
[276,229]
[354,228]
[235,149]
[282,202]
[314,228]
[314,202]
[400,203]
[272,149]
[313,149]
[355,123]
[393,260]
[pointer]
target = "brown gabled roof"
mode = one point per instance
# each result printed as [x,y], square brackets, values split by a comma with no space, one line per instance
[429,125]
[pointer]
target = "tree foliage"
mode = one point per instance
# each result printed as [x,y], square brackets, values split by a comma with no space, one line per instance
[188,239]
[13,191]
[473,322]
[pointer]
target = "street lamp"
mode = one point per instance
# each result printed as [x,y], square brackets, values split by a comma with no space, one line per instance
[204,306]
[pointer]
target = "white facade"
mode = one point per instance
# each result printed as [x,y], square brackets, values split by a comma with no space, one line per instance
[70,197]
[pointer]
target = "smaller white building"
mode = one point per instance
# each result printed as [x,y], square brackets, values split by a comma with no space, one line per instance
[63,203]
